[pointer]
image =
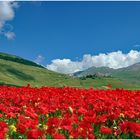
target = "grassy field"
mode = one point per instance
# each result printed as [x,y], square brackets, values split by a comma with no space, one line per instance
[13,73]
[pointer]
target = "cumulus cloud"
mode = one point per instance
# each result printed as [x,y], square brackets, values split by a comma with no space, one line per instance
[6,14]
[113,60]
[39,59]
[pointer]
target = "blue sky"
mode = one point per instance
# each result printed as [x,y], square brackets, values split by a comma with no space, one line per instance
[69,30]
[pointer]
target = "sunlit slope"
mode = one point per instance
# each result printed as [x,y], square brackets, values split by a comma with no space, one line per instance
[19,72]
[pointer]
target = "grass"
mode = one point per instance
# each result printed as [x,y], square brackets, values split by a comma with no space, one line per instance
[101,83]
[16,71]
[20,74]
[13,73]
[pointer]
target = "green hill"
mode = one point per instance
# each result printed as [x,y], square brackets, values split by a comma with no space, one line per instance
[19,72]
[18,59]
[130,73]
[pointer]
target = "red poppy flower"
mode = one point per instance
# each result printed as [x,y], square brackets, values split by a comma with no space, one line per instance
[58,136]
[82,111]
[3,129]
[34,134]
[105,130]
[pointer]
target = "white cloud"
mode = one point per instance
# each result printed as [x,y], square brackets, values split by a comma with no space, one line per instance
[39,59]
[6,14]
[113,60]
[10,35]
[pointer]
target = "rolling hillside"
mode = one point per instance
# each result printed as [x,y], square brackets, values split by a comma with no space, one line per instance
[17,71]
[130,74]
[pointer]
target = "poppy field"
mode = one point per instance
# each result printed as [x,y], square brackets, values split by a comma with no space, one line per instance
[63,113]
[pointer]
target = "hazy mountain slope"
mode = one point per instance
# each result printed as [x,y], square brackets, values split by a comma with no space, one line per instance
[130,73]
[93,70]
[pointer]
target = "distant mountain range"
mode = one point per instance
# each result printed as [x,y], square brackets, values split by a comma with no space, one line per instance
[94,70]
[130,73]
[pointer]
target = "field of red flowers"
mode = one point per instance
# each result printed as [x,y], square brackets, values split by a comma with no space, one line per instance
[50,112]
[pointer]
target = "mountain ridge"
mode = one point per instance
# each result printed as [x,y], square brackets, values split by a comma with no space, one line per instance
[94,70]
[131,73]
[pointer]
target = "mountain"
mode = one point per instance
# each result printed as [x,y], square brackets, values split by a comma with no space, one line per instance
[17,71]
[94,70]
[130,74]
